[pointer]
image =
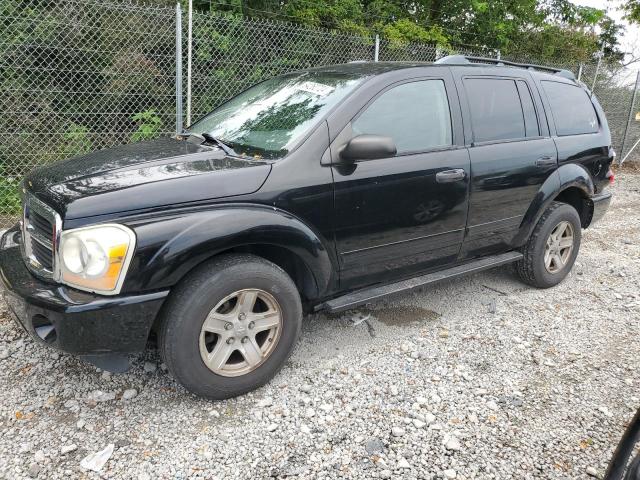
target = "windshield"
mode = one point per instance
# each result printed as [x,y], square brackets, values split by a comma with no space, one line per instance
[269,118]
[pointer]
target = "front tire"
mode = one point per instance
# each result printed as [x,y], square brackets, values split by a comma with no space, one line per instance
[230,326]
[551,251]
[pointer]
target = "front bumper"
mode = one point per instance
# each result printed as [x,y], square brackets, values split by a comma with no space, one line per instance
[600,206]
[72,321]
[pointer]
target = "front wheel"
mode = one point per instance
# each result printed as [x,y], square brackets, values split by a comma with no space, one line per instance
[230,326]
[552,248]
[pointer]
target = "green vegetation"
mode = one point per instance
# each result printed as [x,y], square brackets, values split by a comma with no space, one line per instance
[547,30]
[149,126]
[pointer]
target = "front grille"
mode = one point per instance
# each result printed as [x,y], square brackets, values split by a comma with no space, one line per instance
[41,225]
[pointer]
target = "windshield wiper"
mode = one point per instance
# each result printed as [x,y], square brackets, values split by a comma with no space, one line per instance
[226,148]
[206,137]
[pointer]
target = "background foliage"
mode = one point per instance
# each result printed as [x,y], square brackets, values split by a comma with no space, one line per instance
[79,75]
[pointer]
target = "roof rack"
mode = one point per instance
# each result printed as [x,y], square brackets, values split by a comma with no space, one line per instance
[464,60]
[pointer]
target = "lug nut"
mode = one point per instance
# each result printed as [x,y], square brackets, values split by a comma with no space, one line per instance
[245,339]
[242,316]
[230,340]
[228,326]
[251,325]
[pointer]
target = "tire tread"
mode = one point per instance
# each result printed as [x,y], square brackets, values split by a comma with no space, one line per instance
[526,267]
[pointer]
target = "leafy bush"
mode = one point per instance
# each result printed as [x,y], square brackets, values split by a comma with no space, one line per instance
[149,126]
[75,141]
[10,204]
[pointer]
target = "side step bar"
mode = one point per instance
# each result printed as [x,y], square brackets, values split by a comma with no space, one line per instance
[359,297]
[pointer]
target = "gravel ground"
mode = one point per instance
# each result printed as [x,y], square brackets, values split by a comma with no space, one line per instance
[480,377]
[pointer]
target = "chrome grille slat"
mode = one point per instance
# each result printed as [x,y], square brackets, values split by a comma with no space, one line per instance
[40,223]
[41,226]
[46,242]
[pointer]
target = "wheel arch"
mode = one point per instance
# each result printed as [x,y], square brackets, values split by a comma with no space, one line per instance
[170,248]
[571,184]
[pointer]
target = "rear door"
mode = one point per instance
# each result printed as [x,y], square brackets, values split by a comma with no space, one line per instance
[395,216]
[511,155]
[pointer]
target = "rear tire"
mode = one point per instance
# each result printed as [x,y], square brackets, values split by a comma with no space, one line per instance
[552,248]
[230,326]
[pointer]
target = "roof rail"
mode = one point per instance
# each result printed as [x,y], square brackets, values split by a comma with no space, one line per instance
[464,59]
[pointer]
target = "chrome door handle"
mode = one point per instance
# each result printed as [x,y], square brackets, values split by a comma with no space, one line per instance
[545,161]
[449,176]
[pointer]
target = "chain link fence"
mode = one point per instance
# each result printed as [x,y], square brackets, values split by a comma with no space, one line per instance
[81,75]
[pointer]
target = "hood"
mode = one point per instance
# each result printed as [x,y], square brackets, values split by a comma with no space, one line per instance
[143,175]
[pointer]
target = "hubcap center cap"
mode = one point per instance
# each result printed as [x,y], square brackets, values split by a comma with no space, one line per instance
[240,330]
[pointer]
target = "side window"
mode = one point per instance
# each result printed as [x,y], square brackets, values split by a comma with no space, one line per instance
[416,115]
[571,107]
[496,112]
[528,109]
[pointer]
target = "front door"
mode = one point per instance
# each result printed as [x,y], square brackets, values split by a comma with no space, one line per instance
[399,215]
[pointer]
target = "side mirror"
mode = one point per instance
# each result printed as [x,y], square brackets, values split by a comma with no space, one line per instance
[368,147]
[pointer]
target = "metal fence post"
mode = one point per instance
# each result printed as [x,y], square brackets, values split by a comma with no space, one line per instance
[178,68]
[579,72]
[377,51]
[629,118]
[189,55]
[595,75]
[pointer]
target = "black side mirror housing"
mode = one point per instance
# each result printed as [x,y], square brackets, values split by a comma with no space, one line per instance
[368,147]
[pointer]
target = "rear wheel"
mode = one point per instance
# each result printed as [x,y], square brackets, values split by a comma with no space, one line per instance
[230,326]
[552,248]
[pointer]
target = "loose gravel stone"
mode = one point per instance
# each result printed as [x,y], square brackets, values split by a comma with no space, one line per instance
[68,449]
[100,396]
[452,443]
[129,393]
[150,367]
[374,445]
[541,389]
[34,469]
[592,472]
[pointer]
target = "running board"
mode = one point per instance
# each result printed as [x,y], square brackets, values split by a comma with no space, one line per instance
[359,297]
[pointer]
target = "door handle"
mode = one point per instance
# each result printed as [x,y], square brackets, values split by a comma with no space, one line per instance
[449,176]
[545,161]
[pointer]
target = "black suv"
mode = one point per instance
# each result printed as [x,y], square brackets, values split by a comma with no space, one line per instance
[317,190]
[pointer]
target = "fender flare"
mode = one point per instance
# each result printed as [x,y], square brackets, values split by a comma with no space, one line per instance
[170,246]
[567,176]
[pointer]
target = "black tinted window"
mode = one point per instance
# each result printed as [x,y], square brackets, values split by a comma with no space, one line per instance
[416,115]
[496,113]
[529,111]
[571,108]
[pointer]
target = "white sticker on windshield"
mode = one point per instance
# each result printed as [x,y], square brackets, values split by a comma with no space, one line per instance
[315,88]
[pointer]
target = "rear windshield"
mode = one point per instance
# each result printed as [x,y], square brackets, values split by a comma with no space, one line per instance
[268,119]
[571,107]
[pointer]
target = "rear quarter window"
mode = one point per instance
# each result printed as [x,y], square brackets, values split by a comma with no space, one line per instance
[571,108]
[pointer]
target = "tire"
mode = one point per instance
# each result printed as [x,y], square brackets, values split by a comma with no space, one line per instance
[532,269]
[184,343]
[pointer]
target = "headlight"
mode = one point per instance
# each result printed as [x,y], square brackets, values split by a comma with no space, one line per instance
[96,258]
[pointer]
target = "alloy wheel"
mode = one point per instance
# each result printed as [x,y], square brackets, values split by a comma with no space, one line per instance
[559,247]
[240,332]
